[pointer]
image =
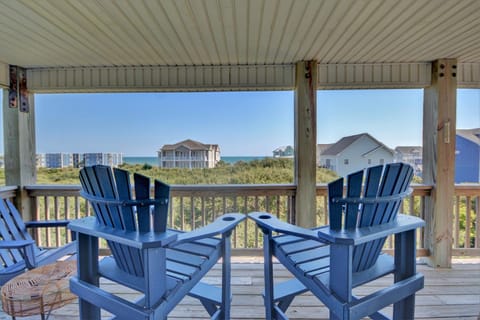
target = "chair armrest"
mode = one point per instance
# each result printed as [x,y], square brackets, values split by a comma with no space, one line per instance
[140,240]
[47,223]
[15,244]
[365,234]
[24,245]
[224,224]
[269,223]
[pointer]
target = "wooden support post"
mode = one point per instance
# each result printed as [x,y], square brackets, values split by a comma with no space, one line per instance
[439,131]
[305,142]
[19,152]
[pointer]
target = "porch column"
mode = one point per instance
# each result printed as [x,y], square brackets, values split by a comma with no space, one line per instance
[439,130]
[305,118]
[20,151]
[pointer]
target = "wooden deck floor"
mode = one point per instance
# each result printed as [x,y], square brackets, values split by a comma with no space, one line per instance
[448,294]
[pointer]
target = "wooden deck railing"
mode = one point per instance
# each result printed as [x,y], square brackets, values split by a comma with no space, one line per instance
[466,220]
[193,206]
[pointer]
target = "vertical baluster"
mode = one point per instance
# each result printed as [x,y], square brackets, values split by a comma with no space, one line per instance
[66,216]
[77,208]
[288,208]
[267,203]
[277,204]
[182,215]
[235,233]
[204,210]
[224,204]
[422,215]
[245,222]
[293,214]
[88,207]
[170,213]
[411,211]
[56,231]
[467,221]
[256,227]
[477,224]
[192,212]
[47,217]
[37,234]
[411,205]
[213,207]
[456,223]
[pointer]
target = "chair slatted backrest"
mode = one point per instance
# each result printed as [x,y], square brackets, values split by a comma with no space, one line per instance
[109,191]
[12,228]
[393,180]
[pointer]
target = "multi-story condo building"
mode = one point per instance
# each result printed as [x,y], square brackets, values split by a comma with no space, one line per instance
[58,160]
[189,154]
[54,160]
[108,159]
[77,160]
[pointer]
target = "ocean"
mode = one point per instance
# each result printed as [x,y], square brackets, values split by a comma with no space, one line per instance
[153,161]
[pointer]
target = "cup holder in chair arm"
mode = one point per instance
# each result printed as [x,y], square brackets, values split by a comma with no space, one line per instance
[361,235]
[269,222]
[221,225]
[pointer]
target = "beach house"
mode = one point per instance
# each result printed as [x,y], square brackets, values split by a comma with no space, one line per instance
[355,152]
[467,156]
[188,154]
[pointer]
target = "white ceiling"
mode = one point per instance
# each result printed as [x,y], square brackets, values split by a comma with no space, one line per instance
[72,33]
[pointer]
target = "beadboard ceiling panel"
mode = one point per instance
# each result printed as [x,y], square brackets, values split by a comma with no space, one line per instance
[353,34]
[69,33]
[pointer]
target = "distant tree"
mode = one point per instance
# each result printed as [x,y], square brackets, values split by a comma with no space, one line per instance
[146,166]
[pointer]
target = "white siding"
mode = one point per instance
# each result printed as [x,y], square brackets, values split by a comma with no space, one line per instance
[359,156]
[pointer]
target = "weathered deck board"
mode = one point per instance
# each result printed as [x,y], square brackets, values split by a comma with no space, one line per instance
[448,294]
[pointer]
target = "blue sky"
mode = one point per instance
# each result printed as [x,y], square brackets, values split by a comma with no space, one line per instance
[242,123]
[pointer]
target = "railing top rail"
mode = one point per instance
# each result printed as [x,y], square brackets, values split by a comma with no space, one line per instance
[467,189]
[232,189]
[179,190]
[41,190]
[221,189]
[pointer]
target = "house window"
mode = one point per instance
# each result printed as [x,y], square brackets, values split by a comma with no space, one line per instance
[345,161]
[369,161]
[382,161]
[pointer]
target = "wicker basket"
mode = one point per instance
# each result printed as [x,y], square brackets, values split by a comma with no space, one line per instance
[39,291]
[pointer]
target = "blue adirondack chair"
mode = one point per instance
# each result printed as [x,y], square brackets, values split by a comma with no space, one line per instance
[18,250]
[164,265]
[332,260]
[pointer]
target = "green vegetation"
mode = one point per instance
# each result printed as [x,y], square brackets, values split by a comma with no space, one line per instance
[266,171]
[191,212]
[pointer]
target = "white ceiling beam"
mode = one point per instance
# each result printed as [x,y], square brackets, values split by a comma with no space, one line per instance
[468,75]
[235,77]
[161,78]
[373,76]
